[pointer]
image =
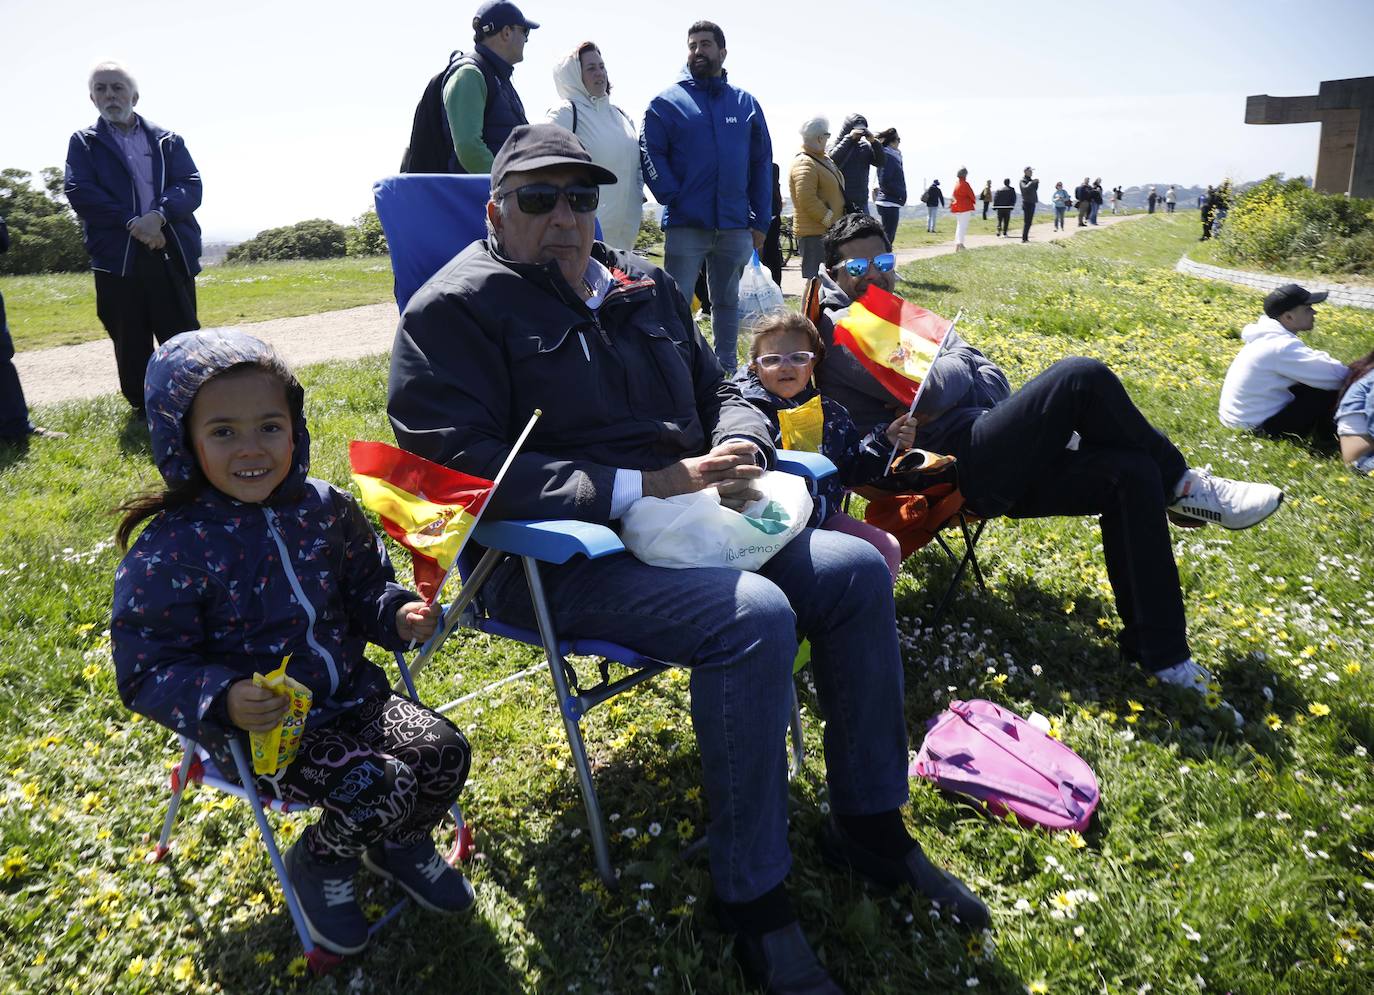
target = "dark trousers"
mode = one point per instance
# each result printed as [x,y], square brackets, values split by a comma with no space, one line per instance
[387,770]
[1003,220]
[771,253]
[890,217]
[986,205]
[1308,414]
[1014,463]
[1029,212]
[14,412]
[1206,225]
[156,300]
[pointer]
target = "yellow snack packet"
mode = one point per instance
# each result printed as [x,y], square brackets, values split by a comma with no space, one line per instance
[274,749]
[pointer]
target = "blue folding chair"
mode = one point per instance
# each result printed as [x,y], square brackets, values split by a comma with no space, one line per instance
[428,219]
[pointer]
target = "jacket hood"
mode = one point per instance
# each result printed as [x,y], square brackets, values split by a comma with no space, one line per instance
[567,79]
[852,122]
[177,371]
[1263,326]
[686,77]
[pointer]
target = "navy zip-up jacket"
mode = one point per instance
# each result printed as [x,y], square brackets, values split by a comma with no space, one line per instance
[215,590]
[707,156]
[100,189]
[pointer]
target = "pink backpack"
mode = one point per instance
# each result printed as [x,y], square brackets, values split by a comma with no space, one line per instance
[978,749]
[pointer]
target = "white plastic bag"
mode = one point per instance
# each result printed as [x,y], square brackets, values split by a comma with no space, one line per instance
[696,530]
[758,294]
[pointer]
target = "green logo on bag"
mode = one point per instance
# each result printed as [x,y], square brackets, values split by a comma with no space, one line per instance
[773,520]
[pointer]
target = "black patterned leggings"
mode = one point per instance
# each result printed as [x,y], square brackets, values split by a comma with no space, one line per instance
[388,770]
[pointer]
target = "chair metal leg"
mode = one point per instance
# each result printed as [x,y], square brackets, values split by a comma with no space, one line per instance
[971,547]
[178,789]
[245,772]
[798,756]
[571,723]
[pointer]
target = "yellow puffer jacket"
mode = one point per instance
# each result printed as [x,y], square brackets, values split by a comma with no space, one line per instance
[817,193]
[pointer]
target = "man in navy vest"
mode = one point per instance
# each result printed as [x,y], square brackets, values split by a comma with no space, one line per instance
[135,188]
[708,159]
[482,105]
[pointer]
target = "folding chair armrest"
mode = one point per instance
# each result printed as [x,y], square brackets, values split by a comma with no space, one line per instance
[812,466]
[550,541]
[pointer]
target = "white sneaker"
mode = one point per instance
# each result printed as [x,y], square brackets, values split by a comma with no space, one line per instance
[1232,504]
[1191,674]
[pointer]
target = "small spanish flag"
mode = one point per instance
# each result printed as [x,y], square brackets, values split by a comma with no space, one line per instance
[895,341]
[426,507]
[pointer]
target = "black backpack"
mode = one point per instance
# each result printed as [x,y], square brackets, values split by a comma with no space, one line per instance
[431,143]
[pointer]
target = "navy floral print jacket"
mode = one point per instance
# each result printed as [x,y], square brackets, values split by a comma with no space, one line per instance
[217,589]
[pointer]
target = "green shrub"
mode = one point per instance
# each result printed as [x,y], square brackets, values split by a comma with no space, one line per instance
[365,236]
[650,234]
[314,239]
[45,236]
[1282,223]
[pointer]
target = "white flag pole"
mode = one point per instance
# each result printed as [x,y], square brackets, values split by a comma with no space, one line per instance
[939,351]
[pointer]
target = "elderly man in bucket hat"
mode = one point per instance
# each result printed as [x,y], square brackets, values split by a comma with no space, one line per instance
[542,316]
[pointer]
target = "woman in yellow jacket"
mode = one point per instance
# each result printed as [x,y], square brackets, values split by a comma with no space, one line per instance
[817,194]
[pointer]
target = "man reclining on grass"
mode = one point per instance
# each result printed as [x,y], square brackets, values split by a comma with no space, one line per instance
[1070,442]
[635,403]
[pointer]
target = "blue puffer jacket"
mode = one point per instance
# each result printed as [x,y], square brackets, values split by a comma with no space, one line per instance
[707,156]
[857,458]
[212,591]
[100,189]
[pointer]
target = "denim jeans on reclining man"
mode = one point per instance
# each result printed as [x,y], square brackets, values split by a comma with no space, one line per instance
[737,633]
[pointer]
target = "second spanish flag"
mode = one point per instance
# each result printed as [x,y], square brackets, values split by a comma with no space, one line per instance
[895,341]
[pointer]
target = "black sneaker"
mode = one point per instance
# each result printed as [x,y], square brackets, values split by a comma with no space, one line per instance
[914,871]
[325,893]
[783,963]
[423,874]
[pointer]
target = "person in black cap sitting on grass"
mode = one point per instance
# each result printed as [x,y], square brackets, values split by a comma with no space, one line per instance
[1277,384]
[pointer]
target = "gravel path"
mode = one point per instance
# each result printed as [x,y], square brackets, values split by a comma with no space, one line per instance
[76,372]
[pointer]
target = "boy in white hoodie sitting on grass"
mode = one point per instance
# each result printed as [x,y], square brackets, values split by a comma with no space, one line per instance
[1278,385]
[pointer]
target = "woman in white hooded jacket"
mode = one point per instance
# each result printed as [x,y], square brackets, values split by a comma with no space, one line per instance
[610,137]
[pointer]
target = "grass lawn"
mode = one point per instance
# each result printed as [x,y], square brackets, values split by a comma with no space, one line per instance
[1224,861]
[59,308]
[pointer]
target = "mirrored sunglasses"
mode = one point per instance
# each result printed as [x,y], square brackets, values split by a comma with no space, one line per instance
[541,198]
[772,360]
[884,263]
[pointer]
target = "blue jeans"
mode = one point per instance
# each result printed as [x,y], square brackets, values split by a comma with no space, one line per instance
[725,253]
[14,413]
[1058,216]
[891,217]
[737,633]
[1092,213]
[932,215]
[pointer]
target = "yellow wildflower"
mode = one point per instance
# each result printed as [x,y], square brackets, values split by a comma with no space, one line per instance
[1273,722]
[1135,706]
[1318,709]
[1352,668]
[1038,988]
[184,970]
[14,864]
[296,968]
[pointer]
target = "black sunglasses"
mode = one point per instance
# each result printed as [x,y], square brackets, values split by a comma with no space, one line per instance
[541,198]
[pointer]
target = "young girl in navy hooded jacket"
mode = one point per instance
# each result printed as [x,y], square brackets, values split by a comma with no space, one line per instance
[247,560]
[782,357]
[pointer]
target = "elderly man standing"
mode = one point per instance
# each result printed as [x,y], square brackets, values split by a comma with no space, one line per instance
[479,99]
[635,403]
[817,194]
[135,188]
[708,159]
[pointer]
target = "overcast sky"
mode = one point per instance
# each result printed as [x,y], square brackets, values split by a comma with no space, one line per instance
[292,108]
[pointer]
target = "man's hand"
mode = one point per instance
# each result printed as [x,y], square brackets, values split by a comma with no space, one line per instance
[902,432]
[857,133]
[253,708]
[148,230]
[729,467]
[417,620]
[759,236]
